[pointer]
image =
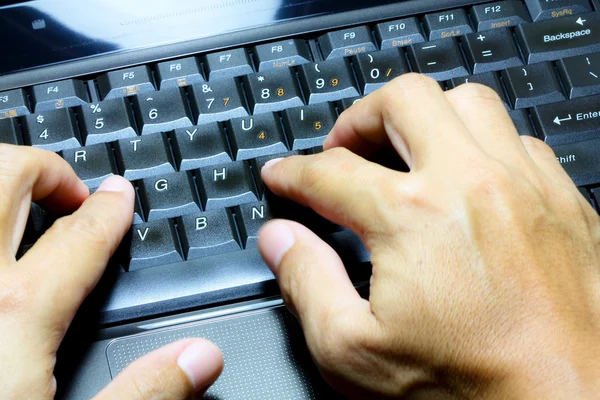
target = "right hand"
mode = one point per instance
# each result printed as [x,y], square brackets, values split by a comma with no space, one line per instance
[486,258]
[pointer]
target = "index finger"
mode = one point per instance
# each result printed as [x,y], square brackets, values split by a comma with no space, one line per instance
[29,174]
[406,112]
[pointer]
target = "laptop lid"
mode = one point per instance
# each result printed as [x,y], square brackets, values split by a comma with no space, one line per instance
[46,32]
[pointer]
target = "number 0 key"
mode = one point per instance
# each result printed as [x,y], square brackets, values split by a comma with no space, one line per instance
[376,69]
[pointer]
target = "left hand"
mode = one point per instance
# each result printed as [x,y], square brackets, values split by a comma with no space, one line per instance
[40,293]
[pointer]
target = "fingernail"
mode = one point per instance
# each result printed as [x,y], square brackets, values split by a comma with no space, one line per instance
[270,163]
[114,183]
[201,361]
[278,239]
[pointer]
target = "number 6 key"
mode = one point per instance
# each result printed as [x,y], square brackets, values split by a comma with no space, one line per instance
[161,111]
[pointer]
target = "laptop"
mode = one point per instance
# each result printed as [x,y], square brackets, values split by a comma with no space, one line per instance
[189,99]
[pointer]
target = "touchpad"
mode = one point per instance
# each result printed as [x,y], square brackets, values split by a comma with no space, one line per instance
[265,356]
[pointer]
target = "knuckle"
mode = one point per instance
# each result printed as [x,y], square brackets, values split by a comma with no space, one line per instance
[475,92]
[413,81]
[487,178]
[16,297]
[412,193]
[336,152]
[534,145]
[341,340]
[291,284]
[20,162]
[91,228]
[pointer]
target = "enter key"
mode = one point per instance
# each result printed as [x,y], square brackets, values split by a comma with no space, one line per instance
[569,121]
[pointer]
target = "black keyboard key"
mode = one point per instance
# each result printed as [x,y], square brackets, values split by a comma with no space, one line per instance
[40,220]
[106,121]
[13,103]
[144,156]
[138,215]
[168,196]
[53,130]
[8,132]
[501,14]
[399,33]
[222,278]
[491,51]
[63,94]
[532,85]
[256,136]
[125,82]
[446,24]
[440,59]
[521,120]
[581,160]
[489,79]
[284,54]
[228,64]
[200,146]
[253,216]
[581,75]
[347,42]
[560,38]
[544,9]
[162,111]
[227,185]
[309,126]
[569,121]
[92,164]
[349,102]
[586,195]
[273,90]
[179,73]
[328,81]
[151,244]
[217,101]
[374,70]
[209,233]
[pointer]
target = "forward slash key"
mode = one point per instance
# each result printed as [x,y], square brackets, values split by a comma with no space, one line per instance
[568,122]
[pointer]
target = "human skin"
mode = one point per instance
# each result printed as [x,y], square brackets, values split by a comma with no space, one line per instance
[485,261]
[486,267]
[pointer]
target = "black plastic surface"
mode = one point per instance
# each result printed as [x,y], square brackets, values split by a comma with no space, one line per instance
[215,41]
[195,283]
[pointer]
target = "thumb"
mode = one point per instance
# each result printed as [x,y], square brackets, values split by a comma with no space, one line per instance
[181,370]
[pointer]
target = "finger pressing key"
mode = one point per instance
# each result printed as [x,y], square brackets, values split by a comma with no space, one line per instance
[28,174]
[69,259]
[396,114]
[337,184]
[316,287]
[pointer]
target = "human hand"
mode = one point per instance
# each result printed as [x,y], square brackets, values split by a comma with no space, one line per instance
[486,258]
[40,293]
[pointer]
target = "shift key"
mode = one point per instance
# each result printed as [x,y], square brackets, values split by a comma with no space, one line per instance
[569,121]
[581,160]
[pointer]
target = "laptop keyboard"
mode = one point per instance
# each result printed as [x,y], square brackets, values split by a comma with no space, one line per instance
[192,134]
